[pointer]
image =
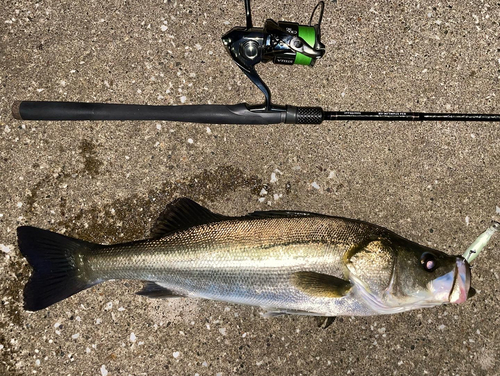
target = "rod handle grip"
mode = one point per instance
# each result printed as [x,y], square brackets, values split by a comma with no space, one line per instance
[207,113]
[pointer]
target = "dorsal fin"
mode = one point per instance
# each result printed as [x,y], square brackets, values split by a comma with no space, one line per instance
[282,214]
[182,214]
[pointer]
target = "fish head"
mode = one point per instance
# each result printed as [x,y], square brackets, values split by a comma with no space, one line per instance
[398,275]
[427,277]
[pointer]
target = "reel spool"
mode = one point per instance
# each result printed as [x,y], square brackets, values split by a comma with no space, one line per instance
[281,42]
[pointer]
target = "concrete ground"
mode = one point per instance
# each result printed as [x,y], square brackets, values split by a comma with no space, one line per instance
[435,183]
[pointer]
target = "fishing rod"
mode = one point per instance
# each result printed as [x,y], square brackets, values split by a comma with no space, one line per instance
[282,42]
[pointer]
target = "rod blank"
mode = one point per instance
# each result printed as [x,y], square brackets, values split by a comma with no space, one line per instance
[408,116]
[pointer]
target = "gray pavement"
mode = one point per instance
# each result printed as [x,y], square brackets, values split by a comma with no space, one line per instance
[435,183]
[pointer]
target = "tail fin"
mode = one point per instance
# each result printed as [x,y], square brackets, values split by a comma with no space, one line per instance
[57,270]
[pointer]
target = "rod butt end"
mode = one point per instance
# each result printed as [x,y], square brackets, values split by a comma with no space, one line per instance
[16,110]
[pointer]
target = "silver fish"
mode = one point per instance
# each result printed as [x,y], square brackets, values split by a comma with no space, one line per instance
[286,262]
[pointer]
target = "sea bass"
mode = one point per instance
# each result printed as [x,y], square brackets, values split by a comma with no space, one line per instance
[286,262]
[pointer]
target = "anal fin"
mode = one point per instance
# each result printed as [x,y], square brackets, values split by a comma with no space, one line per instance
[155,291]
[274,312]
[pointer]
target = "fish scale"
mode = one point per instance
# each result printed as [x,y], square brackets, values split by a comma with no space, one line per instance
[283,261]
[252,266]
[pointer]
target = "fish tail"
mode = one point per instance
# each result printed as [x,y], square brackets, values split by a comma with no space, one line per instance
[57,272]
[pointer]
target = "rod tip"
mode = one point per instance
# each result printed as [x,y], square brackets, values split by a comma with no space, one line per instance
[15,110]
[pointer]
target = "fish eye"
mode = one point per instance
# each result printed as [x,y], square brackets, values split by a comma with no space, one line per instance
[428,262]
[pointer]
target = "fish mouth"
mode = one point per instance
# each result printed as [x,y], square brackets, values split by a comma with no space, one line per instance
[461,286]
[454,286]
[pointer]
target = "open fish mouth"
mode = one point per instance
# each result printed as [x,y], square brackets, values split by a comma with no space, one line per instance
[461,286]
[452,287]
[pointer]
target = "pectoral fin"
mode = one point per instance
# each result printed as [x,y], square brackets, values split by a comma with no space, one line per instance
[321,285]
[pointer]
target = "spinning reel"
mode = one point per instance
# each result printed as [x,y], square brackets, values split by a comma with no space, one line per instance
[281,42]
